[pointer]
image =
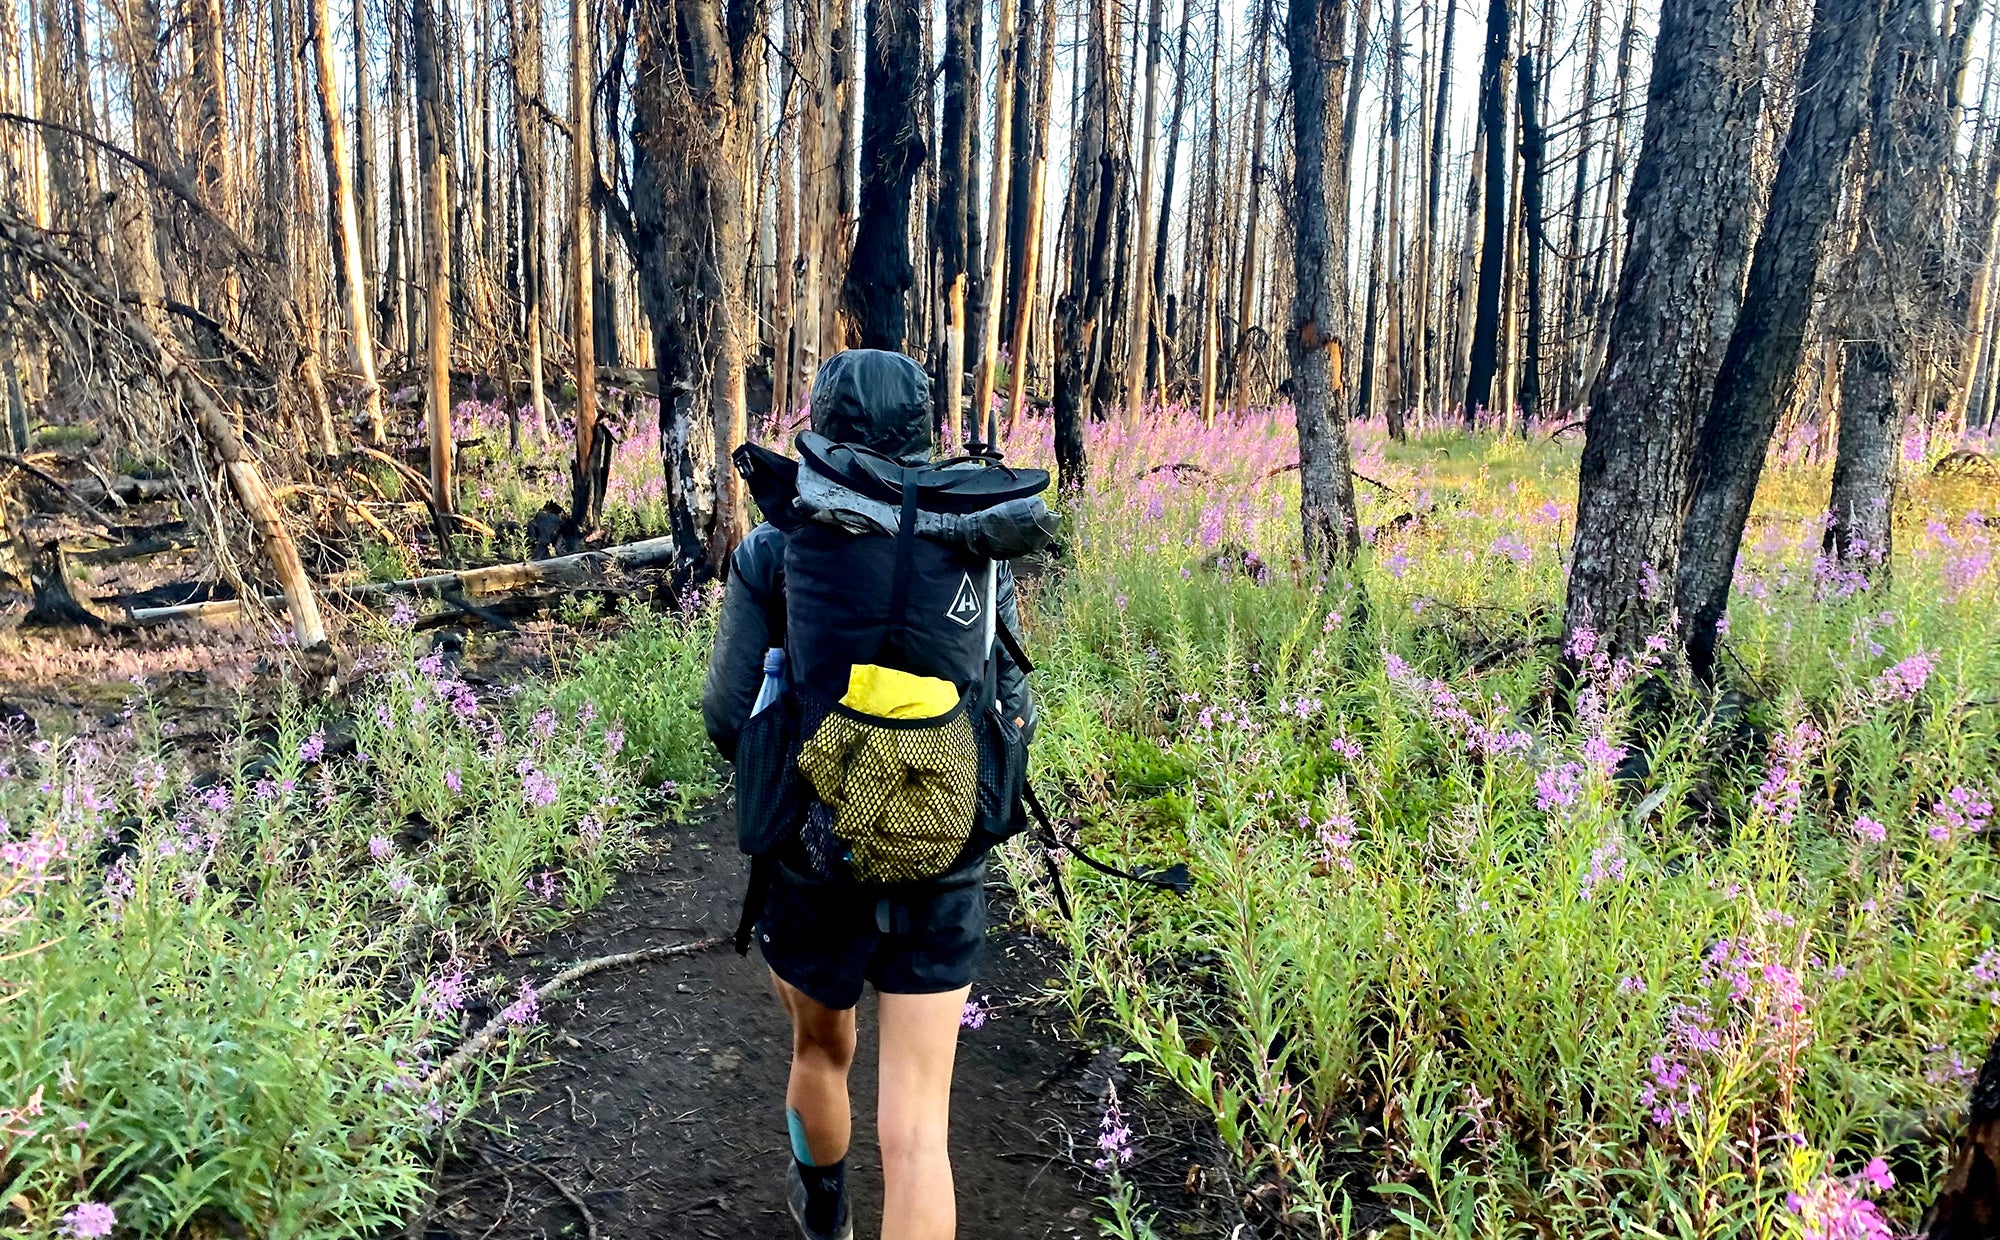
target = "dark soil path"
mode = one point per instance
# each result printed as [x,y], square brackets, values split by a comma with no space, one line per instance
[661,1113]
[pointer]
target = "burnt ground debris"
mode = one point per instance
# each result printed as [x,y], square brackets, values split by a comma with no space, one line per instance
[657,1111]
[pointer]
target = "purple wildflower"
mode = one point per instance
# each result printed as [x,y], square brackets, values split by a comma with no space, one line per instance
[90,1221]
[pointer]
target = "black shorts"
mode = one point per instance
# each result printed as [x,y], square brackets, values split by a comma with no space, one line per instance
[827,939]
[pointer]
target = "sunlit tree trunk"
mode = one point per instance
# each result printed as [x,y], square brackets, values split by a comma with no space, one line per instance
[347,226]
[996,213]
[585,499]
[1245,301]
[1142,258]
[437,242]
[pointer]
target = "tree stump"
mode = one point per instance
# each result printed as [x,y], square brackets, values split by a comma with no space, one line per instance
[59,601]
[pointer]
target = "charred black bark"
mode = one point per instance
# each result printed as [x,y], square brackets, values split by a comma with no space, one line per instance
[1485,364]
[879,275]
[1761,365]
[1660,356]
[1316,37]
[1533,159]
[1896,293]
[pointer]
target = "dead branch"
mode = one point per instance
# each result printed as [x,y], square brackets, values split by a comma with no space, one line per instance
[62,488]
[217,429]
[495,1028]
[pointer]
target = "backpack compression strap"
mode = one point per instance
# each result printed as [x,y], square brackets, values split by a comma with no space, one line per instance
[899,586]
[1174,878]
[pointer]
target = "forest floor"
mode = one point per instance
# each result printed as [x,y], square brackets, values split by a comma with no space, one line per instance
[659,1113]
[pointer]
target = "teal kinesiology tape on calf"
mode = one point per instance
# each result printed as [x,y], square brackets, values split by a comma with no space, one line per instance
[797,1127]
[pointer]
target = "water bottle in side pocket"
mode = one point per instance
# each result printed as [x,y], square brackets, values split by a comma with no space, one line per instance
[774,679]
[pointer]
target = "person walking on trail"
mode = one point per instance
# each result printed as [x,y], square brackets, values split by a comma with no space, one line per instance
[900,697]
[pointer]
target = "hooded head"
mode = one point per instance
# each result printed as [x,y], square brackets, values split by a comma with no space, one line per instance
[877,399]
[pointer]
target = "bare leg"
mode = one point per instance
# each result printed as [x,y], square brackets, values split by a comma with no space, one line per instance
[816,1107]
[919,1041]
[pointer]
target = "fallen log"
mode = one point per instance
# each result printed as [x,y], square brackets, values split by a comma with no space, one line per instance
[64,489]
[576,569]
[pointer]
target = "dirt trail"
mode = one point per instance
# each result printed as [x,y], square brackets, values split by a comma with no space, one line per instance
[661,1115]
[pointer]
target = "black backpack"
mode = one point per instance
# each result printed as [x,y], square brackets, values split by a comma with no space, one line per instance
[887,565]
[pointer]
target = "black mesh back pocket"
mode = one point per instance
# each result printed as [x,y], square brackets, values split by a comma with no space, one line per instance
[1003,770]
[771,795]
[897,800]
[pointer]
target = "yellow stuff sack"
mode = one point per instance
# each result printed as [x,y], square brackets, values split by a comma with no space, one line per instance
[904,797]
[887,693]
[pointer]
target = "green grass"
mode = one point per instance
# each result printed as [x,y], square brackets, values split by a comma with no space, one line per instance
[1431,930]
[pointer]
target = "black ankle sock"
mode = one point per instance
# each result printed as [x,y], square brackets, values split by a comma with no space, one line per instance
[826,1191]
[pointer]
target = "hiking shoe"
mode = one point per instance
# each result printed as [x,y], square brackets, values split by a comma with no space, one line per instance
[795,1197]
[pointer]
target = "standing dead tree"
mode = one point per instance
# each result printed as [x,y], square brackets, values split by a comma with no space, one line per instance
[1760,368]
[1896,294]
[1316,34]
[691,142]
[1660,363]
[875,292]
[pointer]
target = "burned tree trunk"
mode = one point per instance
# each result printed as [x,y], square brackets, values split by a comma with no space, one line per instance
[874,294]
[431,130]
[584,500]
[1895,294]
[1761,365]
[347,228]
[1315,36]
[995,266]
[691,143]
[1968,1204]
[1142,260]
[1659,366]
[1533,155]
[1246,298]
[526,62]
[1485,358]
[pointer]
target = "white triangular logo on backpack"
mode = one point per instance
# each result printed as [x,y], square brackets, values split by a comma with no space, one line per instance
[964,607]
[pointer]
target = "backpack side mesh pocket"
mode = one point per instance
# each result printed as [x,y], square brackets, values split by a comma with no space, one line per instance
[771,795]
[1003,772]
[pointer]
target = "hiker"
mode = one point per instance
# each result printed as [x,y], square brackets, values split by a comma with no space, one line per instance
[926,701]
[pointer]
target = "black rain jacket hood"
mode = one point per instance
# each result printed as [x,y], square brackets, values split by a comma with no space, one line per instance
[879,399]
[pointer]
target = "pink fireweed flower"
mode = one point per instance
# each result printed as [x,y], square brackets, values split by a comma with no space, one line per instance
[1834,1209]
[525,1010]
[1669,1093]
[379,847]
[1906,679]
[1114,1138]
[1960,810]
[1557,788]
[1868,830]
[538,788]
[446,992]
[454,781]
[1606,868]
[975,1014]
[1783,790]
[90,1221]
